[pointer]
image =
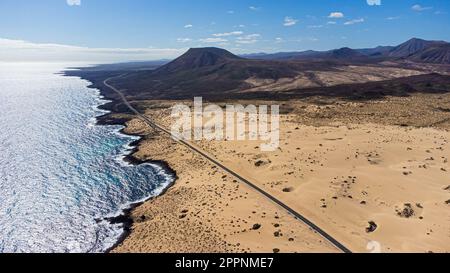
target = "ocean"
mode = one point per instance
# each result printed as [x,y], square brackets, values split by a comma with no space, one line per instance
[60,173]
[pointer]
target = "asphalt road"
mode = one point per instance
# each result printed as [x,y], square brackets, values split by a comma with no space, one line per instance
[272,198]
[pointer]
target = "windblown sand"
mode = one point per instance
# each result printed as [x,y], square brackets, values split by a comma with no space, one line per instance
[362,171]
[207,210]
[340,75]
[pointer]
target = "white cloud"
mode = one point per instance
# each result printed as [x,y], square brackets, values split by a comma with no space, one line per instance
[24,51]
[279,40]
[253,8]
[188,26]
[248,39]
[252,36]
[315,26]
[336,14]
[331,23]
[233,33]
[74,2]
[374,2]
[230,12]
[419,8]
[393,18]
[289,21]
[306,39]
[213,40]
[355,21]
[184,40]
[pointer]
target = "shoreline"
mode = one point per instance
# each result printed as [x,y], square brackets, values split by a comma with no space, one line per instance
[124,217]
[315,188]
[216,235]
[204,205]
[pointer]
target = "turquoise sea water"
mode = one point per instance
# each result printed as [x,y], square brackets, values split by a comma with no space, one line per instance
[59,171]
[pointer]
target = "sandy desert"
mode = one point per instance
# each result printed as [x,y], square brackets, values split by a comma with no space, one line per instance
[361,173]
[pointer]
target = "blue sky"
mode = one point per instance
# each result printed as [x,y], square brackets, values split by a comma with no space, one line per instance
[152,29]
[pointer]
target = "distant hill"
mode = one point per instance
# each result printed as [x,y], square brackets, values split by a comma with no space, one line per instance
[376,51]
[282,55]
[196,58]
[438,54]
[337,54]
[411,47]
[344,53]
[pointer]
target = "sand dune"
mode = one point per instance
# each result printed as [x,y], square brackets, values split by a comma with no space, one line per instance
[208,211]
[345,177]
[348,166]
[340,75]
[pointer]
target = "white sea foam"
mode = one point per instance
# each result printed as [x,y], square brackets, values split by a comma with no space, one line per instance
[59,173]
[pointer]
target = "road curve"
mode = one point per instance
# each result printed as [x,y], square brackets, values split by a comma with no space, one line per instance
[272,198]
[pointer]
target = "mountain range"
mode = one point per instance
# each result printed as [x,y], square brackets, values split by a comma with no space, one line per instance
[417,50]
[202,71]
[212,72]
